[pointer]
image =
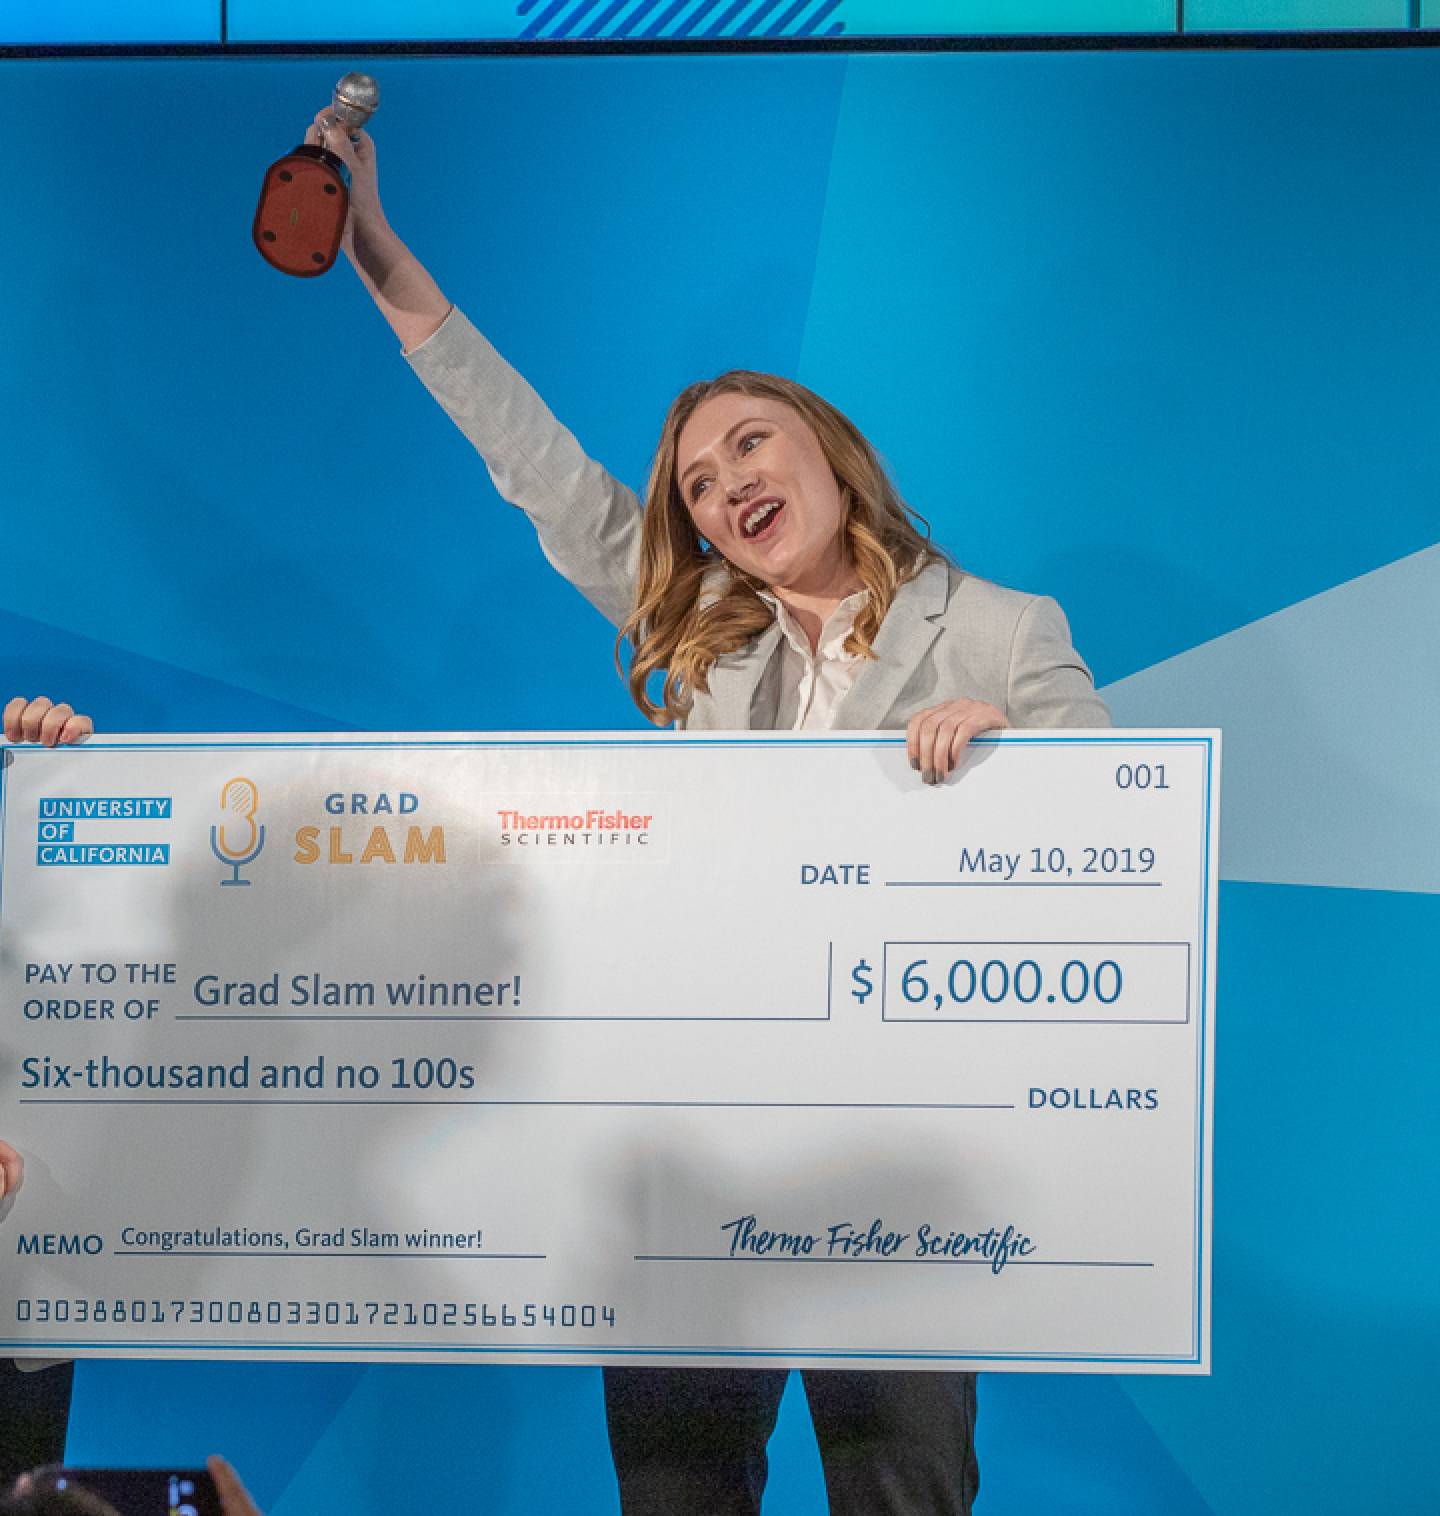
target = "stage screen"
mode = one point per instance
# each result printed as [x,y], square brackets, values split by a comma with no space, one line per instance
[1155,333]
[78,22]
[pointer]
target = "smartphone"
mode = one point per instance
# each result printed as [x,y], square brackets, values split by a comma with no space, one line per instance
[148,1492]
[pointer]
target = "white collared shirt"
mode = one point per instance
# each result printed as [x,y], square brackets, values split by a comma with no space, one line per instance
[812,685]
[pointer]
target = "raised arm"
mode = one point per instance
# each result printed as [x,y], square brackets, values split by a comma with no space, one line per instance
[399,284]
[587,521]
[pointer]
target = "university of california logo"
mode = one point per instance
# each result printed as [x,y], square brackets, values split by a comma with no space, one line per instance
[237,840]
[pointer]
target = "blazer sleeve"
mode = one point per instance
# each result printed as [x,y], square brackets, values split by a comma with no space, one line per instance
[588,522]
[1049,683]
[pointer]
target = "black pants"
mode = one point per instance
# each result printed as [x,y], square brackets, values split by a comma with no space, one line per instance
[691,1442]
[34,1413]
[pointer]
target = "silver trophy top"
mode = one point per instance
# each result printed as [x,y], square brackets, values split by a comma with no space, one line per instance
[357,96]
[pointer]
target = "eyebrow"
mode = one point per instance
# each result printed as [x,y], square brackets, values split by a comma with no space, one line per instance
[739,426]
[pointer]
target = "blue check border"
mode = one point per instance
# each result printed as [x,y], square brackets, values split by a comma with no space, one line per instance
[1197,1357]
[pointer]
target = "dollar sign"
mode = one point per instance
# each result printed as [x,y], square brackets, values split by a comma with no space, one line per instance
[863,984]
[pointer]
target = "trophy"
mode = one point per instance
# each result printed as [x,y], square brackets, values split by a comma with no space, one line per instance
[306,194]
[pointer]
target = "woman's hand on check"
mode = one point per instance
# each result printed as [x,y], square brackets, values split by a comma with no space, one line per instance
[936,737]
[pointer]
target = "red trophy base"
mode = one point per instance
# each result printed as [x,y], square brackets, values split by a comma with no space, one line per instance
[301,215]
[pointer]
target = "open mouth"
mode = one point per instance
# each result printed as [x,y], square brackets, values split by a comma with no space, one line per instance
[759,520]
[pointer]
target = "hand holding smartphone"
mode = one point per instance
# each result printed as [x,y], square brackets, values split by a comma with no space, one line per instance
[212,1491]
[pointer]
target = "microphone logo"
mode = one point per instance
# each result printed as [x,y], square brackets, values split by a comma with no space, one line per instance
[237,840]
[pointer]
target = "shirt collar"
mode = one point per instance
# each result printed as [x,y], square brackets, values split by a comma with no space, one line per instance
[838,626]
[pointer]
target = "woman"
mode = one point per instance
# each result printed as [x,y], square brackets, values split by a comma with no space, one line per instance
[773,579]
[34,1395]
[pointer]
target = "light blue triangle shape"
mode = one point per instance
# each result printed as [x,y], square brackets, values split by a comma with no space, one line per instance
[1331,715]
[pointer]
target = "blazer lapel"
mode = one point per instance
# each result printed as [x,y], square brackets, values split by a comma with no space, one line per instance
[905,637]
[738,699]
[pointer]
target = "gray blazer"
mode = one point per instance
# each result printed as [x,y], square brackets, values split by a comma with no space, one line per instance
[947,635]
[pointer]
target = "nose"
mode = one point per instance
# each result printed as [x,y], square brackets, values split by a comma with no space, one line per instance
[739,482]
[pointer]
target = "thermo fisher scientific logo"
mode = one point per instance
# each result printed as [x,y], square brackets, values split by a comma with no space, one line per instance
[561,826]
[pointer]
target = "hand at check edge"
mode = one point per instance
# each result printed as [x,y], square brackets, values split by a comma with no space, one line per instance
[41,720]
[936,738]
[12,1170]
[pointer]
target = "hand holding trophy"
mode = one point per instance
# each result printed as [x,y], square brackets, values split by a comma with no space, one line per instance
[300,220]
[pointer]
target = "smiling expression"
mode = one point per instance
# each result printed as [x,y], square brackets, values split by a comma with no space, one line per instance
[760,490]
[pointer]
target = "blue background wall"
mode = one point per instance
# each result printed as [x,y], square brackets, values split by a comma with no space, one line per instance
[1154,333]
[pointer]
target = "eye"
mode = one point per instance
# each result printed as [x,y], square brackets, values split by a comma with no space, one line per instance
[698,487]
[750,441]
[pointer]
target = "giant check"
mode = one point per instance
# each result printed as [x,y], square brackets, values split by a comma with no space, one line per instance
[571,1049]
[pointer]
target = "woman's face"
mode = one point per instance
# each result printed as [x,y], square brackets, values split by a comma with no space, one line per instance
[760,490]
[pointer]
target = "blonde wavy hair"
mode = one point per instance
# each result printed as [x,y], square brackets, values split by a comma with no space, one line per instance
[692,605]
